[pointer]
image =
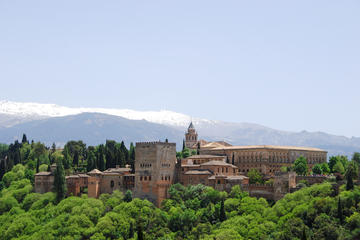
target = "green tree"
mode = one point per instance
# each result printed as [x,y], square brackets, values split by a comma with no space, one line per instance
[128,196]
[325,168]
[356,158]
[340,215]
[24,139]
[332,161]
[301,166]
[338,168]
[59,182]
[351,173]
[185,153]
[254,176]
[91,159]
[317,169]
[132,157]
[53,148]
[100,157]
[222,212]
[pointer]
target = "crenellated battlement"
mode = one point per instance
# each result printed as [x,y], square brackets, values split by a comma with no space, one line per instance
[154,143]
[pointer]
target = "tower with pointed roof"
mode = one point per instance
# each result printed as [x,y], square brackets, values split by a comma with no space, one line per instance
[191,137]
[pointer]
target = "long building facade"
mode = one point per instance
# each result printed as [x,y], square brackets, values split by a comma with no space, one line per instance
[219,165]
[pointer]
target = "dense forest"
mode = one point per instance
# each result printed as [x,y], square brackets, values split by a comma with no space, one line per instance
[330,210]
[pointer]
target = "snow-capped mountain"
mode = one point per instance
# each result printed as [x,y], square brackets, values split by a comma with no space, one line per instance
[33,111]
[52,123]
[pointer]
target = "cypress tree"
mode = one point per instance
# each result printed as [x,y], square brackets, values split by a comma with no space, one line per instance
[233,159]
[24,139]
[349,182]
[183,148]
[351,172]
[125,152]
[303,237]
[37,165]
[340,212]
[132,157]
[222,212]
[53,148]
[100,159]
[131,230]
[140,235]
[76,158]
[128,196]
[59,182]
[198,148]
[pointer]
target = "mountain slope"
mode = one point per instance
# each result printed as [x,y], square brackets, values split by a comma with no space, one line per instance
[53,123]
[92,128]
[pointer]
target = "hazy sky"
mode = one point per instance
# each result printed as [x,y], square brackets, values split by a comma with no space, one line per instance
[290,65]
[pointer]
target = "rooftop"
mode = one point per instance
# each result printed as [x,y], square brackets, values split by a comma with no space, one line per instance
[204,156]
[218,163]
[95,171]
[43,174]
[198,172]
[270,147]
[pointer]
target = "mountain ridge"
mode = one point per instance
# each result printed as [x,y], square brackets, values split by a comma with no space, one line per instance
[17,118]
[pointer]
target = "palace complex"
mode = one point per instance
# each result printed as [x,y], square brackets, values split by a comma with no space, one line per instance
[218,164]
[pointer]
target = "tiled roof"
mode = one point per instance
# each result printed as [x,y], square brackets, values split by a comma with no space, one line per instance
[217,163]
[43,174]
[117,170]
[95,171]
[198,172]
[204,156]
[269,147]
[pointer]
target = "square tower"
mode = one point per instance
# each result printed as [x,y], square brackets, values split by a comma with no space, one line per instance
[155,164]
[191,137]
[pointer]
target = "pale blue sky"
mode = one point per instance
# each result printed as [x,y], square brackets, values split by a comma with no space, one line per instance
[289,65]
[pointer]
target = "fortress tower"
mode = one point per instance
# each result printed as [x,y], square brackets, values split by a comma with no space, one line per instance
[155,170]
[191,137]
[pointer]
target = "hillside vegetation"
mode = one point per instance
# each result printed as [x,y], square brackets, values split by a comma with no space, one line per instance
[193,212]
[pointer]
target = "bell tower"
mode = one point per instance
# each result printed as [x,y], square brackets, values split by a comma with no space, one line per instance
[191,137]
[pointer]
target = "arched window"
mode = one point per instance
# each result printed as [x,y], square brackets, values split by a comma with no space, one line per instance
[112,184]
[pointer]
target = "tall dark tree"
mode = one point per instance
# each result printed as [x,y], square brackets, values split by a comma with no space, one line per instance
[350,174]
[340,211]
[125,151]
[91,159]
[24,139]
[110,154]
[37,165]
[2,168]
[53,148]
[132,157]
[76,159]
[59,181]
[303,237]
[100,157]
[233,159]
[198,148]
[222,212]
[140,235]
[183,147]
[131,230]
[128,196]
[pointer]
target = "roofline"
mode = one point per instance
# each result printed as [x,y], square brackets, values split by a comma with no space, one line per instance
[270,147]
